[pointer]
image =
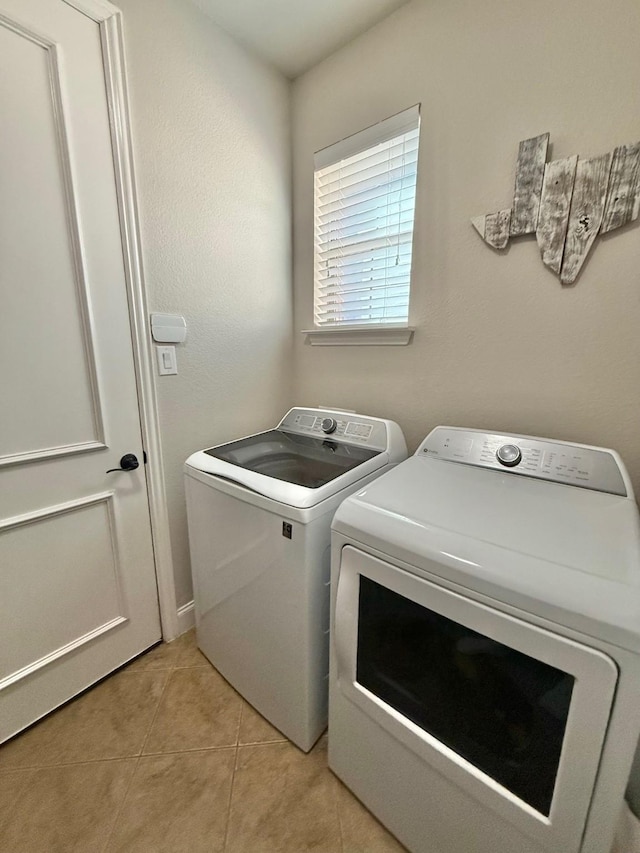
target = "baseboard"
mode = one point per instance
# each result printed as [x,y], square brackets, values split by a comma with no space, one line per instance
[186,617]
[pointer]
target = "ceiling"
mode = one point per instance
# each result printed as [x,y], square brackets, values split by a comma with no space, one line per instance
[295,34]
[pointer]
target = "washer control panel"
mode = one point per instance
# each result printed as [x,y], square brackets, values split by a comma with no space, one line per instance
[560,462]
[337,426]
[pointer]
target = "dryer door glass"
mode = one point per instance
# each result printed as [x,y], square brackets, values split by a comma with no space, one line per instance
[501,710]
[298,459]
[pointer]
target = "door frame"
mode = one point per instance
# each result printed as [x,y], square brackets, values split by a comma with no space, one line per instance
[109,19]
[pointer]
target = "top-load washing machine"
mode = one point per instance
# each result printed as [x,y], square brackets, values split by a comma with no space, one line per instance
[259,512]
[485,654]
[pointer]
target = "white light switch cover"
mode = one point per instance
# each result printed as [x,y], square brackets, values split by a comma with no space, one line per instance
[167,362]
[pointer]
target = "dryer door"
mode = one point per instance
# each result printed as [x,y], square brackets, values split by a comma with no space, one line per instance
[514,715]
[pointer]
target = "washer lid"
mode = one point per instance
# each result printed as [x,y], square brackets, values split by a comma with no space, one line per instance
[300,471]
[546,548]
[312,455]
[299,459]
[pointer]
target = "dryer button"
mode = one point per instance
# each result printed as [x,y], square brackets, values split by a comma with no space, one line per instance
[509,455]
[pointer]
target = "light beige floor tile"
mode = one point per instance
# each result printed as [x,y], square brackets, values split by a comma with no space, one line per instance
[181,652]
[188,652]
[67,809]
[283,801]
[255,729]
[361,832]
[176,803]
[199,710]
[162,656]
[12,784]
[109,721]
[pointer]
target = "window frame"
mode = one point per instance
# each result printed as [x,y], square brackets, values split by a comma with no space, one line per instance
[374,332]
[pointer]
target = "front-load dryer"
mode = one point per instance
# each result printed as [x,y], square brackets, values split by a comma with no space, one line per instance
[259,512]
[485,653]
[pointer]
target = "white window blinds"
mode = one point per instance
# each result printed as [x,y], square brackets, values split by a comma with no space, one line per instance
[365,189]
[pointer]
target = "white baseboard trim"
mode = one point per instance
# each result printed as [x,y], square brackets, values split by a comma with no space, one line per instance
[186,617]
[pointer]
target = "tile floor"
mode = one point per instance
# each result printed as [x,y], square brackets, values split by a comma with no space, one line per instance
[165,757]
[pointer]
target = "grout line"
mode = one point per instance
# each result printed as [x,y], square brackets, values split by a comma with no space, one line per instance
[188,751]
[240,716]
[233,777]
[153,719]
[283,739]
[30,767]
[147,669]
[267,743]
[119,809]
[231,787]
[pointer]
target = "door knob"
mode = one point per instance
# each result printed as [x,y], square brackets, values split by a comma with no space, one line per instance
[129,462]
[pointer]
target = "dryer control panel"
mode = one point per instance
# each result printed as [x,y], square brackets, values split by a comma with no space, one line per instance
[594,468]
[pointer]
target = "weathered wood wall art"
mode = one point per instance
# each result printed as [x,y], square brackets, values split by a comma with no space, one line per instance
[567,203]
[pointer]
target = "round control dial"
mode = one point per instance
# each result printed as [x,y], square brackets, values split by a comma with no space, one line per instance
[509,455]
[329,425]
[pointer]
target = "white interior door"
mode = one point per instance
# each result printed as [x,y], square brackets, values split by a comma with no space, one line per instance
[77,578]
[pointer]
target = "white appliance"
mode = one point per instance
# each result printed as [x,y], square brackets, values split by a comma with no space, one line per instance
[259,512]
[485,654]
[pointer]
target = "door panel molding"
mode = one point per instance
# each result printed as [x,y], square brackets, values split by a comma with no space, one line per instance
[55,511]
[66,508]
[75,247]
[61,652]
[51,452]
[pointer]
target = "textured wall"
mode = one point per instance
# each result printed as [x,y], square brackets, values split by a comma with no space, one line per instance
[499,343]
[212,154]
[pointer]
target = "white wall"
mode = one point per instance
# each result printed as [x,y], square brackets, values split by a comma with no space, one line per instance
[212,155]
[499,343]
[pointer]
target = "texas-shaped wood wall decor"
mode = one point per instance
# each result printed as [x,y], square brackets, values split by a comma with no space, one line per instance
[567,203]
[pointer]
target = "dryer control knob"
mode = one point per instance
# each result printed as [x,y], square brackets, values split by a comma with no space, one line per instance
[509,455]
[329,425]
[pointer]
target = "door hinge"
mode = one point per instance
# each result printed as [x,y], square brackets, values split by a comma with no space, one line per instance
[144,456]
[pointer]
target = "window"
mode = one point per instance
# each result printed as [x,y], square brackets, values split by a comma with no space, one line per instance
[365,189]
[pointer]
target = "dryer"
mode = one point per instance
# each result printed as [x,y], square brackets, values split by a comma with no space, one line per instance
[259,512]
[485,653]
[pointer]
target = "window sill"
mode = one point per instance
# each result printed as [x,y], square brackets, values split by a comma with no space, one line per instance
[359,336]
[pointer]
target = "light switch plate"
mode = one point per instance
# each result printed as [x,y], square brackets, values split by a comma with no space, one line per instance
[167,362]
